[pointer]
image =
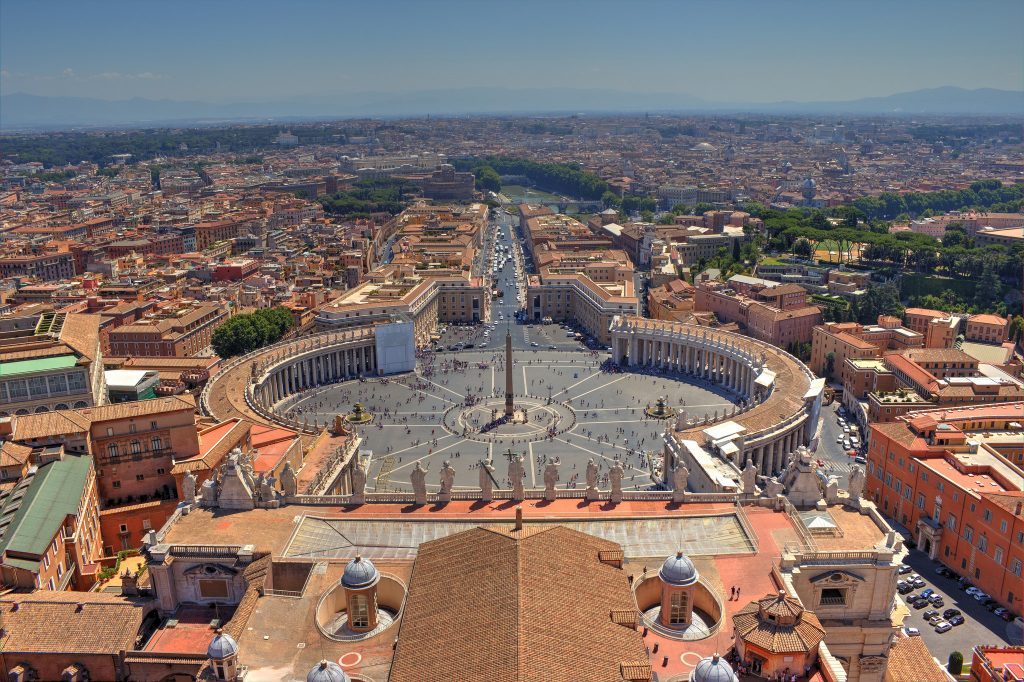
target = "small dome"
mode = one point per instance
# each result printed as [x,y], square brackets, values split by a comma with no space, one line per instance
[809,183]
[359,573]
[223,646]
[678,570]
[704,147]
[713,669]
[327,671]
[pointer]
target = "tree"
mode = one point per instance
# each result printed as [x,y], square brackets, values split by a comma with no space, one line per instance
[955,663]
[802,248]
[702,208]
[879,299]
[988,289]
[243,334]
[1017,329]
[487,179]
[610,200]
[830,364]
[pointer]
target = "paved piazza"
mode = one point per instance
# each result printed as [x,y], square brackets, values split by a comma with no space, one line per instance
[325,538]
[445,411]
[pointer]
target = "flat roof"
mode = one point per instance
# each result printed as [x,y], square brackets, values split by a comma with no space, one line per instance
[124,378]
[8,369]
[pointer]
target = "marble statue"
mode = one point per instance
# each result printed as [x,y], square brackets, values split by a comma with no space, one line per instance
[591,480]
[266,489]
[486,476]
[257,488]
[832,490]
[681,421]
[749,475]
[289,483]
[419,483]
[515,475]
[855,486]
[188,487]
[447,480]
[680,476]
[615,477]
[774,487]
[550,478]
[358,481]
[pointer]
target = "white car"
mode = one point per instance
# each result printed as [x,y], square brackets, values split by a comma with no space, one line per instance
[972,591]
[912,632]
[943,626]
[839,439]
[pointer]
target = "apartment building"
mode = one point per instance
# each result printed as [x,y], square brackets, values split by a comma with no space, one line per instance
[48,267]
[953,478]
[179,331]
[938,328]
[833,343]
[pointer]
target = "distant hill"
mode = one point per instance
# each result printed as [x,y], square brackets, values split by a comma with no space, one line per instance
[21,111]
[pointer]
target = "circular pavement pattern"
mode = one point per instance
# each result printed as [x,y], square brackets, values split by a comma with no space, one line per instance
[575,410]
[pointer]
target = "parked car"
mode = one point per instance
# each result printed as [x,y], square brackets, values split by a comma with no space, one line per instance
[918,582]
[979,595]
[927,593]
[949,613]
[1006,615]
[931,613]
[936,619]
[943,626]
[936,600]
[904,569]
[912,632]
[860,460]
[956,620]
[920,603]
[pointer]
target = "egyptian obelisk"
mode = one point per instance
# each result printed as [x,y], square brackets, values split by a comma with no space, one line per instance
[509,407]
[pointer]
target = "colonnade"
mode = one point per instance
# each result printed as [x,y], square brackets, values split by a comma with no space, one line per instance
[714,358]
[325,366]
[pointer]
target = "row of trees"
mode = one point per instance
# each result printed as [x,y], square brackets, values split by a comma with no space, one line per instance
[384,195]
[245,333]
[565,178]
[984,194]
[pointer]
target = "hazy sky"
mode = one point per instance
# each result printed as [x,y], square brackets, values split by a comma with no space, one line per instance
[722,50]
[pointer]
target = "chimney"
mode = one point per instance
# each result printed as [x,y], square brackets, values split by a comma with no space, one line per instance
[519,518]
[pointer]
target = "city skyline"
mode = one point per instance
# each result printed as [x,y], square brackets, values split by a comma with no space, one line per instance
[724,53]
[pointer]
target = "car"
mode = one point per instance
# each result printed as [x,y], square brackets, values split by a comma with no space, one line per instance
[935,620]
[943,626]
[980,596]
[999,611]
[956,620]
[470,345]
[534,344]
[912,632]
[918,582]
[839,439]
[927,593]
[972,590]
[860,460]
[990,604]
[920,604]
[936,600]
[846,444]
[942,570]
[1006,615]
[949,613]
[931,613]
[553,347]
[904,569]
[903,587]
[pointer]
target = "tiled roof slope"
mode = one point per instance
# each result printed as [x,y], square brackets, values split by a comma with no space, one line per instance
[500,605]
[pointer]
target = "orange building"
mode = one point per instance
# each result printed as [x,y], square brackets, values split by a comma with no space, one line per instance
[997,664]
[938,328]
[953,478]
[776,313]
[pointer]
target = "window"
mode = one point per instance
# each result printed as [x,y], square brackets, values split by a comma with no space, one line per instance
[139,477]
[152,426]
[997,554]
[968,533]
[982,543]
[360,616]
[116,484]
[1002,526]
[987,514]
[131,428]
[135,447]
[677,608]
[112,450]
[832,596]
[951,522]
[156,444]
[110,431]
[160,471]
[124,527]
[1015,567]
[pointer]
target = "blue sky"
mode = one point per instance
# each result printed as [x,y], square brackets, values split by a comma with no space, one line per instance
[722,50]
